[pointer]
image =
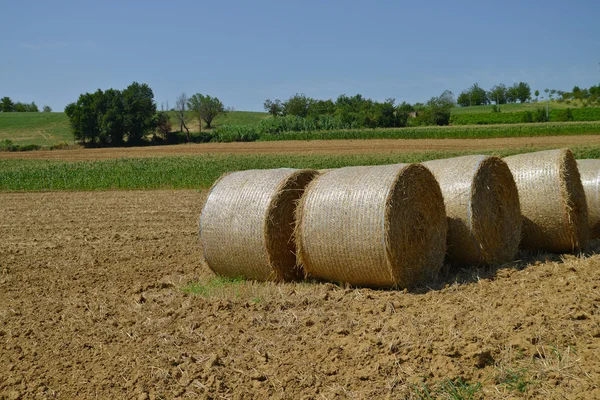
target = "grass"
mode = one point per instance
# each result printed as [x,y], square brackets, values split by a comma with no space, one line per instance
[214,286]
[194,172]
[40,128]
[517,107]
[452,389]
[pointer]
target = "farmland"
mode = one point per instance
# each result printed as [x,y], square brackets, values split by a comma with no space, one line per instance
[104,295]
[104,291]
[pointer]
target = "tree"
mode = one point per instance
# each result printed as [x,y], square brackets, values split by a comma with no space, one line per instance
[84,117]
[498,93]
[523,92]
[6,104]
[180,113]
[473,96]
[297,105]
[317,108]
[111,116]
[163,124]
[275,108]
[47,108]
[537,94]
[139,111]
[205,107]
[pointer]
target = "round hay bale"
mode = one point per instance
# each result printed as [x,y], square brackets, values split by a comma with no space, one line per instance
[555,216]
[482,205]
[379,226]
[247,223]
[590,179]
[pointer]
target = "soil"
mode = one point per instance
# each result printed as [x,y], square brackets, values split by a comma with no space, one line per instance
[312,147]
[92,305]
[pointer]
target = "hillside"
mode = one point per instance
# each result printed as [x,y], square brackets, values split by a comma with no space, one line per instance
[47,129]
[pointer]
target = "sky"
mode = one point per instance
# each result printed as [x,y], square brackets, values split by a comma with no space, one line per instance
[244,52]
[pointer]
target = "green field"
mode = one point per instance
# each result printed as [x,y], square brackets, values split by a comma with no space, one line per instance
[444,132]
[516,107]
[47,129]
[192,172]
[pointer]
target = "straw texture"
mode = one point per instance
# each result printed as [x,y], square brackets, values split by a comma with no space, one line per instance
[590,178]
[482,205]
[247,224]
[555,216]
[379,226]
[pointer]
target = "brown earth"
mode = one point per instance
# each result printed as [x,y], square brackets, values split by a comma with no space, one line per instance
[92,306]
[312,147]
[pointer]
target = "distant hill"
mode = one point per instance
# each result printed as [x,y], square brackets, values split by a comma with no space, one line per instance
[50,128]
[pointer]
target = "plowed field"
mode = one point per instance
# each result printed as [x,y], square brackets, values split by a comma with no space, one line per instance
[313,147]
[92,305]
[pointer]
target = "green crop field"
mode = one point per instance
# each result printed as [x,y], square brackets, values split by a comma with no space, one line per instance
[444,132]
[192,172]
[516,107]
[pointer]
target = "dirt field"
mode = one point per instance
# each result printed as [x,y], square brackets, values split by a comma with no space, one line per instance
[92,306]
[312,147]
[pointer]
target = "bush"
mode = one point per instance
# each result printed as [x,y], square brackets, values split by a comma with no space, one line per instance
[7,145]
[562,115]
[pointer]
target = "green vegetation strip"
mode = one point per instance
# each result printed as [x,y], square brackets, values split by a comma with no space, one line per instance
[447,132]
[192,172]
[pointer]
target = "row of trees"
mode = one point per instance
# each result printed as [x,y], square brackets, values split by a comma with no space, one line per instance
[499,94]
[359,112]
[7,105]
[115,117]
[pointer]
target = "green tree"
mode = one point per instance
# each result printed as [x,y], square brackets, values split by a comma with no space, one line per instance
[6,104]
[523,92]
[205,107]
[497,94]
[85,116]
[111,111]
[139,111]
[297,105]
[275,108]
[473,96]
[47,108]
[317,108]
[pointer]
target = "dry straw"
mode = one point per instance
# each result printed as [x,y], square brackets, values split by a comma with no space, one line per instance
[247,224]
[590,178]
[380,226]
[555,216]
[482,205]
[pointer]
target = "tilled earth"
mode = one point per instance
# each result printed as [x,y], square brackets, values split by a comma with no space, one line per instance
[360,146]
[93,304]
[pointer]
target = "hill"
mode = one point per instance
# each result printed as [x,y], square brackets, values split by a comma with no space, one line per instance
[47,129]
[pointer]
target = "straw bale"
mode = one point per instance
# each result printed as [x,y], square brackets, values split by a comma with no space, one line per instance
[482,205]
[590,179]
[379,226]
[555,216]
[247,223]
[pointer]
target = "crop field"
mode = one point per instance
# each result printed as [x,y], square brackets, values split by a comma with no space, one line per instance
[104,292]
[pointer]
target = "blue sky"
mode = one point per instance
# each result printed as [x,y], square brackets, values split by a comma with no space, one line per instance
[244,52]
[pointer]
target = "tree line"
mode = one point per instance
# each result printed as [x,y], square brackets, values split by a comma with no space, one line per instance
[130,116]
[349,112]
[8,105]
[475,95]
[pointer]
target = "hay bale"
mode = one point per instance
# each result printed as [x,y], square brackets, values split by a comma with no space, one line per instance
[482,205]
[590,179]
[555,216]
[379,226]
[247,223]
